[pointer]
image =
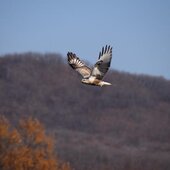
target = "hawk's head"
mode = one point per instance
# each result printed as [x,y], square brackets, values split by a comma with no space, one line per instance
[85,81]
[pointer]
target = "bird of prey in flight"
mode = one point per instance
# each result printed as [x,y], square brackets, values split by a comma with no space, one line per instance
[95,75]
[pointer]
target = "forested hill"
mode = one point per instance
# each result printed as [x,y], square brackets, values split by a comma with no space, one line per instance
[124,126]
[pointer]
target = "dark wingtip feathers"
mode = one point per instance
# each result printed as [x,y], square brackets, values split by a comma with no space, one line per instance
[70,56]
[106,49]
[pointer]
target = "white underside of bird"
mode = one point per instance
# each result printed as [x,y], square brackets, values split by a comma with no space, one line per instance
[93,81]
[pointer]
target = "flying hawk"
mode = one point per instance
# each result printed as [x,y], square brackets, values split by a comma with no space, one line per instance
[92,76]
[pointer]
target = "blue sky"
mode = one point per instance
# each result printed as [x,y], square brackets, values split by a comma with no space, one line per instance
[139,31]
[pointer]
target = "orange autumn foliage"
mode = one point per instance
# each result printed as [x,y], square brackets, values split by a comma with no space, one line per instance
[27,147]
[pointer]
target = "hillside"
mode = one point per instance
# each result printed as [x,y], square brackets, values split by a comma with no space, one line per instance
[123,127]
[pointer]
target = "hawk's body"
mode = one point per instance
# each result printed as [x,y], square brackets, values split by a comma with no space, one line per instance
[94,76]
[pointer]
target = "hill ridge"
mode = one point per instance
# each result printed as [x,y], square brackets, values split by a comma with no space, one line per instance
[92,125]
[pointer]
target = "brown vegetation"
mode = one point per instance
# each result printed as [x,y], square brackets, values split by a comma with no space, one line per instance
[27,147]
[123,127]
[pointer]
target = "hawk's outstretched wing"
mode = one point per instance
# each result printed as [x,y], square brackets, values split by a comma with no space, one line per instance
[103,63]
[78,65]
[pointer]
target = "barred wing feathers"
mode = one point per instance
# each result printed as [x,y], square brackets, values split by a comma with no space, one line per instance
[78,65]
[102,65]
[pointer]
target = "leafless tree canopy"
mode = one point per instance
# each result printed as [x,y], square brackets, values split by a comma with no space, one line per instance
[125,126]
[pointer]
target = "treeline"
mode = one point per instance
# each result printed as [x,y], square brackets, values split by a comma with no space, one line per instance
[124,126]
